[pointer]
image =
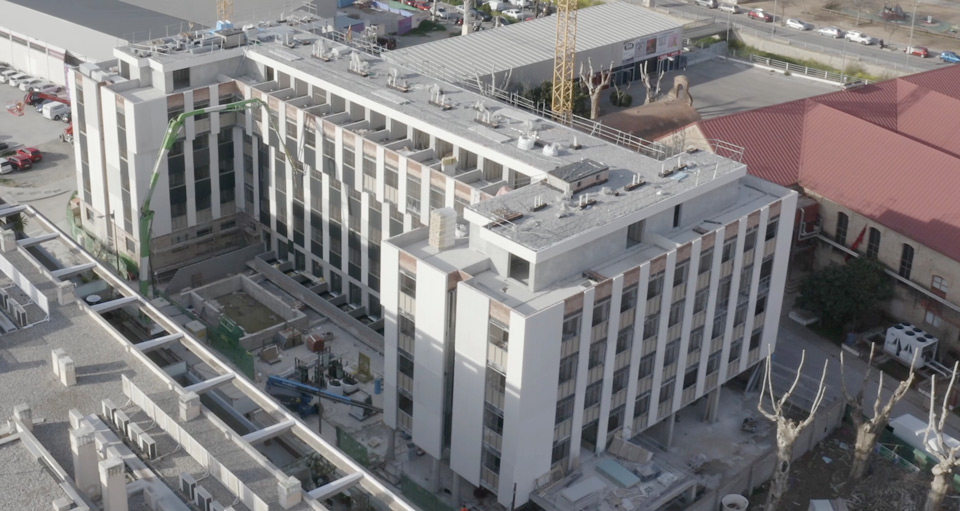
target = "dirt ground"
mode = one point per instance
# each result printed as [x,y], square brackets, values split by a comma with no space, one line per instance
[247,312]
[946,15]
[887,487]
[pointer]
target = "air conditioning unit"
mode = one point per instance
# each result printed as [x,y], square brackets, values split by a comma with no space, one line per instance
[151,499]
[148,445]
[122,422]
[203,499]
[108,409]
[216,506]
[188,485]
[133,433]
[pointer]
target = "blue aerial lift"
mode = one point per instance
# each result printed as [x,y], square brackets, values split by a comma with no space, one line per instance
[299,396]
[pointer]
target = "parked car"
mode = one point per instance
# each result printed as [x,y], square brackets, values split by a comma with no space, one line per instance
[30,152]
[4,146]
[514,14]
[796,24]
[442,13]
[25,85]
[6,74]
[731,8]
[20,162]
[48,88]
[410,3]
[501,20]
[760,14]
[949,56]
[855,36]
[709,4]
[55,110]
[14,80]
[833,32]
[39,105]
[423,6]
[6,167]
[919,51]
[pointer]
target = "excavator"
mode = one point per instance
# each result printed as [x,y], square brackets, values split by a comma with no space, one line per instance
[169,138]
[33,97]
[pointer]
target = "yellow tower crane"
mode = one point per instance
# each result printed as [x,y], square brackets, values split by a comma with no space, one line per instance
[224,10]
[565,54]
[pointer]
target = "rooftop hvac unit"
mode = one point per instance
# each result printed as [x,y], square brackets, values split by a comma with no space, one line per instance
[122,422]
[203,499]
[188,486]
[903,340]
[216,506]
[109,409]
[148,445]
[3,298]
[133,433]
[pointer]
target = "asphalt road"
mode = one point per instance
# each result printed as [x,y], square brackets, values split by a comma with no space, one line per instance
[892,58]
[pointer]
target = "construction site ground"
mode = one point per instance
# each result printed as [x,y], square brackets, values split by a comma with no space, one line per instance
[823,473]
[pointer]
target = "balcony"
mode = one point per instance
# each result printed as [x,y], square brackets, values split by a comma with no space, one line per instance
[726,269]
[716,344]
[599,332]
[753,357]
[669,371]
[649,346]
[406,343]
[489,479]
[497,357]
[640,422]
[759,319]
[679,292]
[693,358]
[764,286]
[689,394]
[618,398]
[407,305]
[591,414]
[562,430]
[733,368]
[665,408]
[492,439]
[627,317]
[621,360]
[769,246]
[674,331]
[644,385]
[569,346]
[405,383]
[595,374]
[566,388]
[404,421]
[748,256]
[494,397]
[699,319]
[703,280]
[653,306]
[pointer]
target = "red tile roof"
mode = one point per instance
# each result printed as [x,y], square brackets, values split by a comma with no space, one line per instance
[889,151]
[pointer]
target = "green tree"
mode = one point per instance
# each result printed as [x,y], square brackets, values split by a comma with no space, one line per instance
[846,293]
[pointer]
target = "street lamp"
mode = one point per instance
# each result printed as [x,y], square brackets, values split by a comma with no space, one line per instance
[913,22]
[773,28]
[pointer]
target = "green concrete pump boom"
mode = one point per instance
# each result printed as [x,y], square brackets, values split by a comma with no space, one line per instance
[169,138]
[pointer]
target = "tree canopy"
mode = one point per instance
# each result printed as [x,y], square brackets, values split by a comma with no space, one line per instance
[845,293]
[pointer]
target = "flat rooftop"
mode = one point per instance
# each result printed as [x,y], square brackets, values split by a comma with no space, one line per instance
[532,42]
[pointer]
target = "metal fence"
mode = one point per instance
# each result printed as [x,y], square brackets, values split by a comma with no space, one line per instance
[792,68]
[353,448]
[225,338]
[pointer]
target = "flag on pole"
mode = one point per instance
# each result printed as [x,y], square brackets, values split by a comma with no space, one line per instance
[856,243]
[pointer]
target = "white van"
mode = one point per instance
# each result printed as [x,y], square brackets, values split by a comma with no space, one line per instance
[55,110]
[6,167]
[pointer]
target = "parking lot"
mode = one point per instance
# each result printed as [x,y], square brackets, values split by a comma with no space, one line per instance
[50,182]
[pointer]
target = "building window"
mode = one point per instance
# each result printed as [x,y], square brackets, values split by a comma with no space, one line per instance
[408,284]
[499,334]
[696,340]
[750,241]
[650,325]
[755,338]
[571,326]
[620,379]
[592,394]
[706,260]
[676,215]
[906,261]
[713,362]
[598,351]
[181,78]
[624,339]
[931,318]
[873,243]
[628,299]
[646,367]
[560,451]
[642,405]
[671,352]
[939,285]
[771,230]
[656,285]
[601,312]
[690,377]
[840,235]
[676,312]
[728,248]
[680,274]
[700,300]
[635,234]
[666,391]
[564,409]
[568,368]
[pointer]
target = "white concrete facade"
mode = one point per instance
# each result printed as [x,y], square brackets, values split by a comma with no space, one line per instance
[506,394]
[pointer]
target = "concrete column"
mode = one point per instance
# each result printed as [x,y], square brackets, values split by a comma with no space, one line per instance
[671,422]
[455,490]
[84,449]
[189,406]
[435,475]
[66,292]
[391,444]
[25,414]
[713,404]
[68,371]
[113,485]
[289,491]
[76,418]
[8,240]
[102,444]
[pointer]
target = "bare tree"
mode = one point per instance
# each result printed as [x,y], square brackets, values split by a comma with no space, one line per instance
[788,430]
[859,5]
[869,429]
[653,91]
[594,89]
[946,455]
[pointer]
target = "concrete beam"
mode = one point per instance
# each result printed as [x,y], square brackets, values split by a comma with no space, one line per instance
[113,304]
[268,432]
[11,210]
[159,342]
[71,270]
[36,240]
[332,488]
[212,383]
